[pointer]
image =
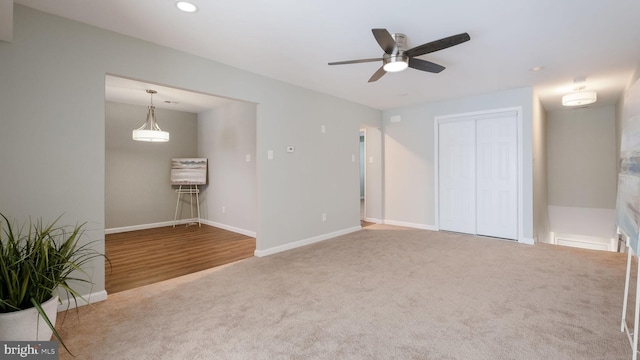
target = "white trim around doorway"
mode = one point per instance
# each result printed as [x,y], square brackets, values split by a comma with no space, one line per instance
[479,114]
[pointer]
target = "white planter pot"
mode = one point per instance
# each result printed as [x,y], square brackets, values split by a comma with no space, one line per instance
[28,325]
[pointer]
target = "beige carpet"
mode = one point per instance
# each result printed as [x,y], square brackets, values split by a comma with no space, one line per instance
[380,293]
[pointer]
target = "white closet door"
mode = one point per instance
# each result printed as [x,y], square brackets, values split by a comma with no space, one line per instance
[457,176]
[497,178]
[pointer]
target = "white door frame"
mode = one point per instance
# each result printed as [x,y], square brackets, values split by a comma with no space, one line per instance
[362,165]
[454,117]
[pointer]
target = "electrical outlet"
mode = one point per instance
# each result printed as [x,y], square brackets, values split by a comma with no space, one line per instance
[247,158]
[224,209]
[270,155]
[323,129]
[324,217]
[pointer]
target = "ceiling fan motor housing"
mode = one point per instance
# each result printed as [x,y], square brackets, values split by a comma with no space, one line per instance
[401,40]
[397,60]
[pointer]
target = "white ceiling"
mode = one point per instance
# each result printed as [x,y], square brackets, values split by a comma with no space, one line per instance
[293,40]
[134,92]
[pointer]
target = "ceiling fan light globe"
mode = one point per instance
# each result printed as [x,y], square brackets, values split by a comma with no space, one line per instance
[395,62]
[395,66]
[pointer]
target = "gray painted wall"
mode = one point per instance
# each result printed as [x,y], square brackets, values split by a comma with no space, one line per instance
[52,143]
[582,157]
[226,135]
[409,155]
[137,185]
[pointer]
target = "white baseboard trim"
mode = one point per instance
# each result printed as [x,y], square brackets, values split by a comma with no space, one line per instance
[148,226]
[230,228]
[296,244]
[527,241]
[88,299]
[179,222]
[524,240]
[373,220]
[411,225]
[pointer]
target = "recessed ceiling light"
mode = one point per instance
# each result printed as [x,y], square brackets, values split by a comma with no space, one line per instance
[536,68]
[186,6]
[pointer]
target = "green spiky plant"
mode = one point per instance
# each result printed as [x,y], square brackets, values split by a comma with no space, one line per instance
[38,261]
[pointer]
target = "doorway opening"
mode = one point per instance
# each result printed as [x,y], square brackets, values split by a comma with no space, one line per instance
[363,179]
[140,201]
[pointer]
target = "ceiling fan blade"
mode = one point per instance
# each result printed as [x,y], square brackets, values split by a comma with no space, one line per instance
[378,74]
[385,40]
[438,45]
[354,61]
[425,65]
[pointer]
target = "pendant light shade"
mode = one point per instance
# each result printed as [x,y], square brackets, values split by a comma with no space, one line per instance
[150,131]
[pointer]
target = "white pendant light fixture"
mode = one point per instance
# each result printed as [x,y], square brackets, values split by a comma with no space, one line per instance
[150,131]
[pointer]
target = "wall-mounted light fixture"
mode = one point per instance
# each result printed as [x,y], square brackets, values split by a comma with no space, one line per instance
[150,131]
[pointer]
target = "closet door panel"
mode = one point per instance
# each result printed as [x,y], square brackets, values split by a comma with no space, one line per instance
[457,176]
[497,200]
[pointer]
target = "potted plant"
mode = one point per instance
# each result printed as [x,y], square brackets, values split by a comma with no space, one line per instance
[36,262]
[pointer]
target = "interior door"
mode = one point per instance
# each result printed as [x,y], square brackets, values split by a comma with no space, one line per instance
[457,176]
[497,182]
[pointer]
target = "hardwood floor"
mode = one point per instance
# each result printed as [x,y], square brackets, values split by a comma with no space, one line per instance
[147,256]
[365,223]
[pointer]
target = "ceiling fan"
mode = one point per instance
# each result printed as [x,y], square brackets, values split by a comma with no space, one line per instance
[396,57]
